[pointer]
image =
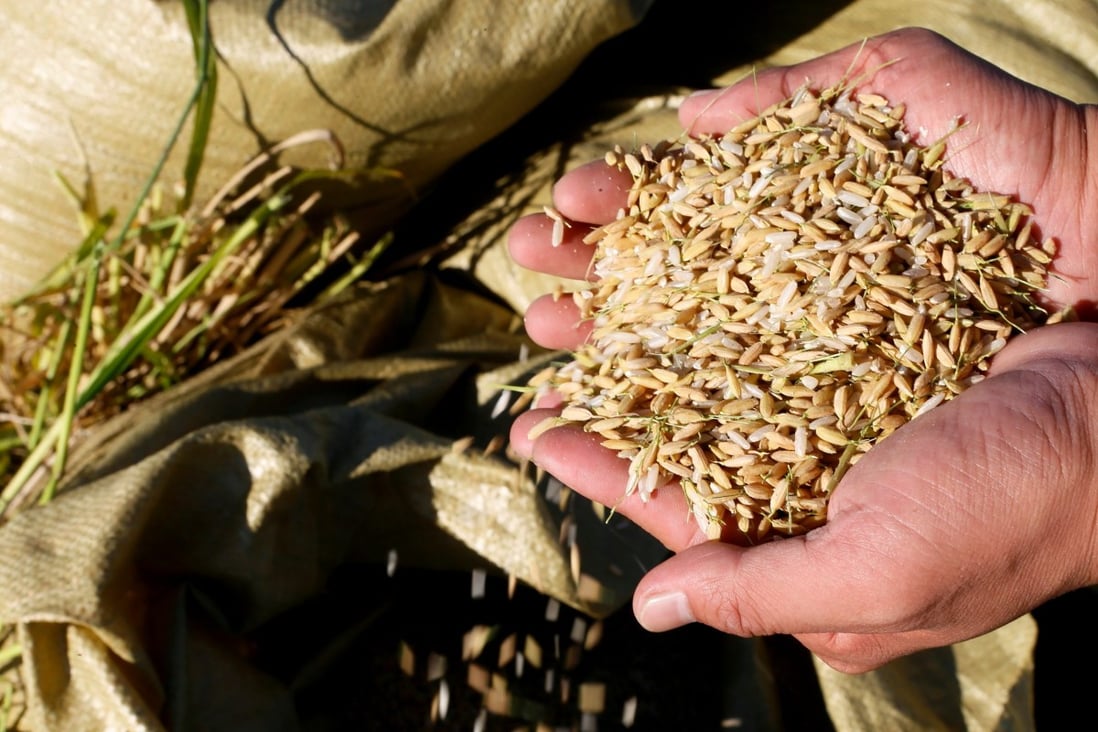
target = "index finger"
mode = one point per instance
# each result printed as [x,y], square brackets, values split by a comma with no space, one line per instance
[592,193]
[578,460]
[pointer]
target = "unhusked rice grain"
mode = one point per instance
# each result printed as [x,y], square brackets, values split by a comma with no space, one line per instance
[773,302]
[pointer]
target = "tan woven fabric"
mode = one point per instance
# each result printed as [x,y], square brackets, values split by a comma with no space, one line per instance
[407,86]
[982,684]
[233,498]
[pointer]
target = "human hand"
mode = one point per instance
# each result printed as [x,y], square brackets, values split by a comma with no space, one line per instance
[963,519]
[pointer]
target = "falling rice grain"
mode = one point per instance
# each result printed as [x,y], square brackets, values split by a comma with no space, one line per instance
[479,581]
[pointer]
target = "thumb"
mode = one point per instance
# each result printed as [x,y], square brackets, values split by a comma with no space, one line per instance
[793,585]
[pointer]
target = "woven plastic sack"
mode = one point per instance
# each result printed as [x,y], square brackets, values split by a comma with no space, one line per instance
[193,525]
[92,92]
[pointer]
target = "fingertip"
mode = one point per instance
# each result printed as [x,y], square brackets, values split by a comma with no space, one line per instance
[570,453]
[521,428]
[579,460]
[661,611]
[692,107]
[716,111]
[756,590]
[554,322]
[526,237]
[549,400]
[538,243]
[690,587]
[592,193]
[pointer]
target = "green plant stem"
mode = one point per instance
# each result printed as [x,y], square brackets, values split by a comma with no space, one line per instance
[160,273]
[123,351]
[192,103]
[204,101]
[42,407]
[37,456]
[41,413]
[359,267]
[76,369]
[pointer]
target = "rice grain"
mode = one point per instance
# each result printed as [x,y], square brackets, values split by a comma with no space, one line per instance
[777,300]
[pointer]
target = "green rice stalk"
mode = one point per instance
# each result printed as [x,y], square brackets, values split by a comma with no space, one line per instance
[359,268]
[41,410]
[135,312]
[206,87]
[68,413]
[161,270]
[196,12]
[125,349]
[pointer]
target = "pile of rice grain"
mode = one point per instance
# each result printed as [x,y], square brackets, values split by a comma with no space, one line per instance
[775,301]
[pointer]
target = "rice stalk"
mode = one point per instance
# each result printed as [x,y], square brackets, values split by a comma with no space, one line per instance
[197,12]
[142,306]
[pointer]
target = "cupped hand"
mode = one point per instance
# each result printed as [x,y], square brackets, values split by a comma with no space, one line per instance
[967,517]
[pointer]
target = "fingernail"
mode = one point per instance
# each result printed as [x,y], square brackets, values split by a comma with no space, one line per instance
[665,611]
[701,93]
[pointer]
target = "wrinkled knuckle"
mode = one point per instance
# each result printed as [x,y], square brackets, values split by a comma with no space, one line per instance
[920,35]
[853,666]
[1066,386]
[850,653]
[734,612]
[905,39]
[888,48]
[905,610]
[1081,387]
[896,598]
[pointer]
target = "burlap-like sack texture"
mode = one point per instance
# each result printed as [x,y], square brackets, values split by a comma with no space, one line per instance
[234,498]
[192,523]
[982,684]
[406,87]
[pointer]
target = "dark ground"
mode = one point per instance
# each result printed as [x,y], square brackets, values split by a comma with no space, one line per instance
[690,679]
